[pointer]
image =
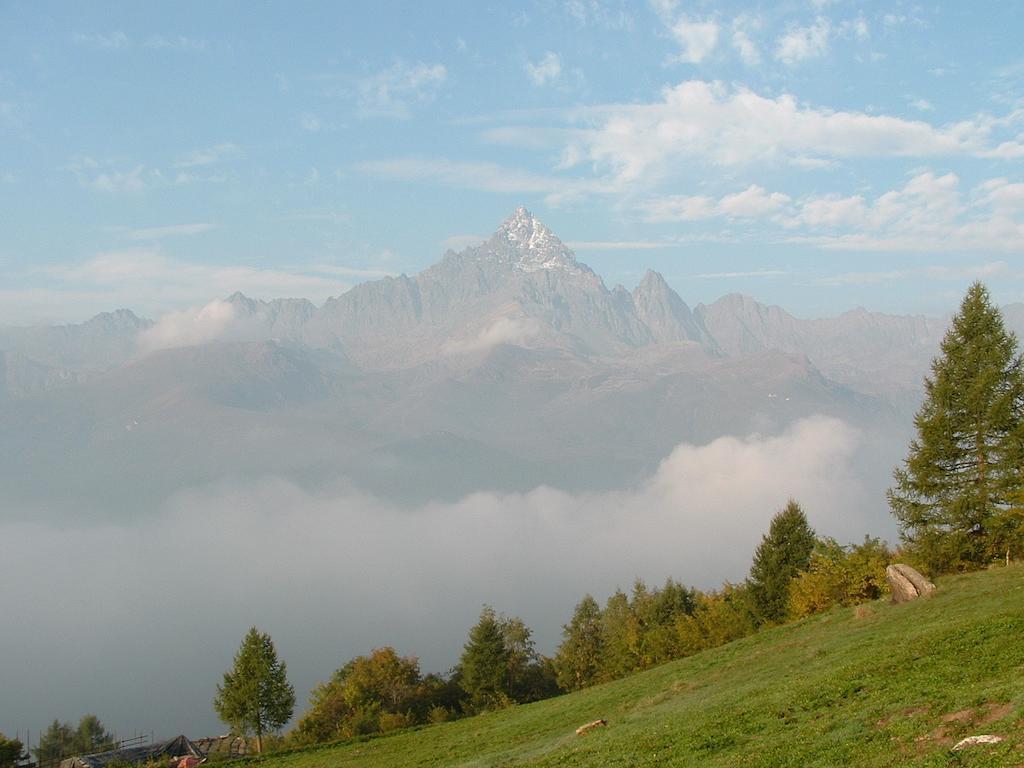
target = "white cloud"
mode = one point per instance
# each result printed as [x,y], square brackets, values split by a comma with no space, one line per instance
[752,202]
[545,71]
[922,105]
[697,39]
[394,91]
[190,327]
[710,123]
[743,28]
[802,43]
[504,330]
[219,153]
[928,214]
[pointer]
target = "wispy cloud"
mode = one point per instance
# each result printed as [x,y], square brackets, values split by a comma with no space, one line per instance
[328,217]
[117,39]
[929,213]
[609,15]
[516,331]
[152,283]
[311,122]
[160,233]
[485,177]
[802,43]
[743,29]
[394,91]
[103,40]
[752,202]
[175,42]
[619,245]
[546,70]
[218,153]
[710,123]
[962,273]
[696,38]
[101,177]
[461,242]
[733,275]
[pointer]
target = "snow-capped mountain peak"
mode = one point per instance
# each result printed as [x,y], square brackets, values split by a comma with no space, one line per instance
[537,246]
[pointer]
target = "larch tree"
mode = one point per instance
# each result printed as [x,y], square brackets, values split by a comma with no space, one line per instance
[255,696]
[578,661]
[959,493]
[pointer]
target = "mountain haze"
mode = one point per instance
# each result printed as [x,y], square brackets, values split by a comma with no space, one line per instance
[504,366]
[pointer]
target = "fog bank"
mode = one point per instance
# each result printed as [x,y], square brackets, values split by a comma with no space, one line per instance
[136,623]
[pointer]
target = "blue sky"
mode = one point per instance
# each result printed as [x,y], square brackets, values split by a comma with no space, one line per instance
[819,155]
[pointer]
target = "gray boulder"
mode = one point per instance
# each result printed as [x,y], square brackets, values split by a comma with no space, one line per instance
[906,583]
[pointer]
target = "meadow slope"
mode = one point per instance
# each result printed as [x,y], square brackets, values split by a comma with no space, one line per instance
[875,685]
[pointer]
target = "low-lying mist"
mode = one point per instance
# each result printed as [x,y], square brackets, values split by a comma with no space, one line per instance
[136,623]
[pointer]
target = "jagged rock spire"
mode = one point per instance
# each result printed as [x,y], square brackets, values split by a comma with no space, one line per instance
[537,246]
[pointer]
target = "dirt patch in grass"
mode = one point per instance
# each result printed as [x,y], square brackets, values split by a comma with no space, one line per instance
[961,716]
[996,712]
[955,724]
[900,715]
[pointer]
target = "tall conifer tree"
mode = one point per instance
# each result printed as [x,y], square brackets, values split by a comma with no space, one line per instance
[485,662]
[783,552]
[954,496]
[256,696]
[578,661]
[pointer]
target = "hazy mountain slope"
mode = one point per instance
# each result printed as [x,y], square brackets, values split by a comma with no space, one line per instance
[105,341]
[504,366]
[869,351]
[879,686]
[521,286]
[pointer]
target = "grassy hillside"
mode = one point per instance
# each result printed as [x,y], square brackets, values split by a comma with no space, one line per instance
[876,685]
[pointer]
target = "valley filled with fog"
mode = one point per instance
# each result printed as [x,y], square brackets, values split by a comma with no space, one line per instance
[501,428]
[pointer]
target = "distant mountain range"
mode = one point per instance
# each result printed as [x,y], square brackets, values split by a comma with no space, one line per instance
[503,366]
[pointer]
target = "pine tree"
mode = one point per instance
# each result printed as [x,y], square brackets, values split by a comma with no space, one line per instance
[578,661]
[92,736]
[12,752]
[484,664]
[55,743]
[955,496]
[783,552]
[256,696]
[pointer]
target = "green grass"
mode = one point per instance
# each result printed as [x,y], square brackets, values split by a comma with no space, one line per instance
[878,685]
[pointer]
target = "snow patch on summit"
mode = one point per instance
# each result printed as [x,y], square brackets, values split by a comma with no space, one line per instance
[537,245]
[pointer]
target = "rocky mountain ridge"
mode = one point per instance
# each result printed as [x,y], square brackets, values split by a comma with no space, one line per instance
[503,367]
[524,287]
